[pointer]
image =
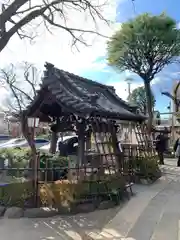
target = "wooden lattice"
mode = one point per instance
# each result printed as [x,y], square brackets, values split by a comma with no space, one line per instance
[144,140]
[102,173]
[105,147]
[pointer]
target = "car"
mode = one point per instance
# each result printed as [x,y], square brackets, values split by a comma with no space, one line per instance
[4,138]
[64,139]
[11,141]
[40,142]
[20,143]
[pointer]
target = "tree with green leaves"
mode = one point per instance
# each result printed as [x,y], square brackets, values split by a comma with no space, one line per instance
[138,97]
[145,45]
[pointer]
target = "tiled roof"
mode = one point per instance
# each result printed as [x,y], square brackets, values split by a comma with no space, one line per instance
[83,96]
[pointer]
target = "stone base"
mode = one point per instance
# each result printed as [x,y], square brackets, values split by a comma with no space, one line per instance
[74,208]
[2,211]
[106,205]
[14,212]
[85,208]
[145,181]
[39,212]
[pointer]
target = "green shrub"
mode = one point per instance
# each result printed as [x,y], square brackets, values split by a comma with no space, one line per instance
[65,192]
[53,161]
[17,158]
[147,167]
[16,193]
[20,157]
[18,190]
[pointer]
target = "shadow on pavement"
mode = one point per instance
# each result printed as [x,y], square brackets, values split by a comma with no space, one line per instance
[81,226]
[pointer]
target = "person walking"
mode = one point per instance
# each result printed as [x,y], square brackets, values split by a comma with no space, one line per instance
[177,151]
[161,147]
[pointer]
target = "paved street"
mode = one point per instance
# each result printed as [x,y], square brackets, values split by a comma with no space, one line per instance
[152,214]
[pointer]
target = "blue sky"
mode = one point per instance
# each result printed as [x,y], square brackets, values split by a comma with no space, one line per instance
[165,80]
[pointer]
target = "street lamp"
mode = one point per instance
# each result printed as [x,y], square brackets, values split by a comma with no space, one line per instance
[129,82]
[33,122]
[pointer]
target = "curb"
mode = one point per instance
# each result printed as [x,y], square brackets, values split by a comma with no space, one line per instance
[16,212]
[45,212]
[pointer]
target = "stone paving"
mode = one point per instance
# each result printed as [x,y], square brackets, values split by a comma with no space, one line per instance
[139,218]
[142,218]
[170,167]
[152,214]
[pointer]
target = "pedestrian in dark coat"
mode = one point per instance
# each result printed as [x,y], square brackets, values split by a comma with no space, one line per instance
[177,151]
[161,147]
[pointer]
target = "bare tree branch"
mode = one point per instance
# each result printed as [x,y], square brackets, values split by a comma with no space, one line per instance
[10,79]
[174,97]
[33,81]
[20,13]
[21,83]
[20,96]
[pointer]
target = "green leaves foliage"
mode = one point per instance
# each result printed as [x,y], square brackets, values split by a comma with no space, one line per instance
[145,45]
[20,157]
[17,158]
[147,167]
[138,98]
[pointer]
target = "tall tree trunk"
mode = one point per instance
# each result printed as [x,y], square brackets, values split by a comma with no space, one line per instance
[53,144]
[149,104]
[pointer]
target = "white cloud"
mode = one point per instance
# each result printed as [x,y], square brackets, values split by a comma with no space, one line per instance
[97,66]
[56,48]
[174,75]
[122,88]
[130,74]
[178,25]
[156,80]
[3,96]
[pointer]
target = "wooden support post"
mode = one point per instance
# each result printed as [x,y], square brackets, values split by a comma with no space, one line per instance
[81,142]
[53,143]
[81,147]
[119,154]
[88,140]
[54,136]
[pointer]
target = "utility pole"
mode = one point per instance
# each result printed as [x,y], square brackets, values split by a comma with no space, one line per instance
[129,88]
[129,82]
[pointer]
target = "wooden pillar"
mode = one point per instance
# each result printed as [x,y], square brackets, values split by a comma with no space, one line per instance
[54,136]
[88,140]
[81,142]
[53,143]
[119,154]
